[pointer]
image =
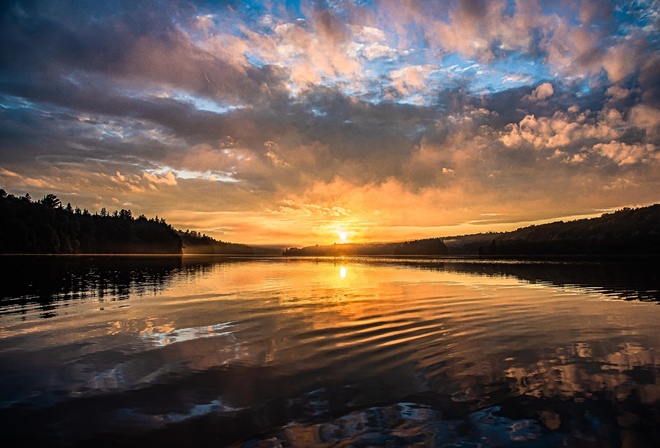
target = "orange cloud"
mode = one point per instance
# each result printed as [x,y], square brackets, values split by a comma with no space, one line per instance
[561,130]
[625,154]
[13,179]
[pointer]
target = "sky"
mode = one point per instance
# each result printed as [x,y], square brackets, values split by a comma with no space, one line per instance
[294,123]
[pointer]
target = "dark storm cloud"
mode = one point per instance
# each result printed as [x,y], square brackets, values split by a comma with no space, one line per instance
[87,35]
[42,41]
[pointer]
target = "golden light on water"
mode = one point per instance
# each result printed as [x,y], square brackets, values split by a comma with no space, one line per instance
[342,272]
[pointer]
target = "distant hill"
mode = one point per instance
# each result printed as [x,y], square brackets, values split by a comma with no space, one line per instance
[433,246]
[627,231]
[195,243]
[46,226]
[470,244]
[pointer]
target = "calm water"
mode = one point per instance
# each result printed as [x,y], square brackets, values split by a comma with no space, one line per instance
[304,352]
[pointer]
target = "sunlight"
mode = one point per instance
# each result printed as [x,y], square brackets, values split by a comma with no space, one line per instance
[342,272]
[343,236]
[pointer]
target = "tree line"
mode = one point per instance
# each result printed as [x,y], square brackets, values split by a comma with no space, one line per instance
[197,243]
[431,246]
[625,232]
[46,226]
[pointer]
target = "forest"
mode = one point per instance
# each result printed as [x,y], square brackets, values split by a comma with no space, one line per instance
[200,244]
[432,246]
[46,226]
[625,232]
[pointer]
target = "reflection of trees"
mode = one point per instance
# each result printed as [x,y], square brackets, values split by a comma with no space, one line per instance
[53,282]
[628,280]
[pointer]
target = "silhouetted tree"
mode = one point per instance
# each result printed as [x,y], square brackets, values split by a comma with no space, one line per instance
[125,214]
[45,227]
[50,200]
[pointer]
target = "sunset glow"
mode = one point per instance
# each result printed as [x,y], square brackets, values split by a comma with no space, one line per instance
[300,123]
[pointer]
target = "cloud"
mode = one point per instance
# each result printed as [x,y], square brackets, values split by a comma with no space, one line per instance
[596,12]
[647,118]
[273,156]
[562,130]
[287,118]
[390,202]
[411,78]
[542,92]
[620,62]
[166,178]
[376,50]
[309,51]
[625,154]
[15,180]
[618,93]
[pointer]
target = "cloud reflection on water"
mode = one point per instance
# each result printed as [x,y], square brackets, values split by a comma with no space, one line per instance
[273,341]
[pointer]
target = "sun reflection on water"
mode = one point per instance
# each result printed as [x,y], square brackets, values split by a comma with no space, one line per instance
[218,335]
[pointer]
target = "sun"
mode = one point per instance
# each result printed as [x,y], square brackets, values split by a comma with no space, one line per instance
[343,236]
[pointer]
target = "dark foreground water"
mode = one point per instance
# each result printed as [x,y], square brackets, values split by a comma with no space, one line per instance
[303,352]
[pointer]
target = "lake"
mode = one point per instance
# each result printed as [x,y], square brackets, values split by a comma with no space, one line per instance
[260,352]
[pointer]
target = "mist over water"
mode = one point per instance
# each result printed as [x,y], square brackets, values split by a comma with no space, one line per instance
[303,352]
